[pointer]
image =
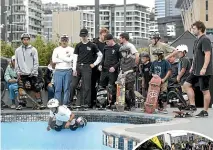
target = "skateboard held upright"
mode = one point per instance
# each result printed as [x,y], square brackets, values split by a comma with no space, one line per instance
[152,97]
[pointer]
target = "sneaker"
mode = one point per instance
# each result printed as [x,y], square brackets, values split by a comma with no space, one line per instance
[202,114]
[13,106]
[191,108]
[164,111]
[19,107]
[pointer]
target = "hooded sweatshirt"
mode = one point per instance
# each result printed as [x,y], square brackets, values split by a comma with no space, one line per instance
[26,61]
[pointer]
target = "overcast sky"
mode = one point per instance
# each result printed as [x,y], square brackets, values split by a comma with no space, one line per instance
[149,3]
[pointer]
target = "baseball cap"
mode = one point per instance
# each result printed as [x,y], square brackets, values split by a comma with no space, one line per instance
[83,33]
[108,37]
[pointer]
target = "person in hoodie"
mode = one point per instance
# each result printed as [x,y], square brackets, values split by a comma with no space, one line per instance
[63,57]
[48,77]
[10,77]
[26,66]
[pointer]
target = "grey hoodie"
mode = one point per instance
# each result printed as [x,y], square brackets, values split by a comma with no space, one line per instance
[26,61]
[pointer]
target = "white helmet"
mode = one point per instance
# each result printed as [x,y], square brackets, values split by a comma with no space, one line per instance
[182,48]
[52,103]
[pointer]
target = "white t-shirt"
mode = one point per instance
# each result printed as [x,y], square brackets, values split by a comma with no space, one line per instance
[63,57]
[63,113]
[133,49]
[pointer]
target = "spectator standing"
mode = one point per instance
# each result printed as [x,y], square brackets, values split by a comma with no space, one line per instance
[63,57]
[110,66]
[26,66]
[100,42]
[156,45]
[10,77]
[201,70]
[83,63]
[124,40]
[174,68]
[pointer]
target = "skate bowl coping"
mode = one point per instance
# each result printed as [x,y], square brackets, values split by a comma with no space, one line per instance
[125,118]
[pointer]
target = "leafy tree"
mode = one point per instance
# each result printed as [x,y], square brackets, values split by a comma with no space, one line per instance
[6,50]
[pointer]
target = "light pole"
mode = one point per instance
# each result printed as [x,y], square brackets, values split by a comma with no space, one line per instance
[97,22]
[124,15]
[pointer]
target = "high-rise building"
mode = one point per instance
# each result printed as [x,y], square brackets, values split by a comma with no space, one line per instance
[165,8]
[22,16]
[194,10]
[57,7]
[47,32]
[72,26]
[112,17]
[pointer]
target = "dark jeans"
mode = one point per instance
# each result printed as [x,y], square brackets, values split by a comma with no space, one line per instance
[84,72]
[109,78]
[130,95]
[95,79]
[51,92]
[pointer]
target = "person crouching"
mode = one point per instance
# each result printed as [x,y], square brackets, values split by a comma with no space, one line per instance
[62,118]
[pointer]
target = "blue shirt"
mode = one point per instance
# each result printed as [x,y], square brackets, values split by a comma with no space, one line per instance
[160,68]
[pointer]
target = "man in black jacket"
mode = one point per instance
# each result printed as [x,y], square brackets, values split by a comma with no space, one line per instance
[110,65]
[100,42]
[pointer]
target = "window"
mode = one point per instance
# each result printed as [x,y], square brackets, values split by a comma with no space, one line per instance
[207,5]
[207,17]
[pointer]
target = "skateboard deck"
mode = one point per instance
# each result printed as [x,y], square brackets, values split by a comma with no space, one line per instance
[152,97]
[120,95]
[183,114]
[79,108]
[24,96]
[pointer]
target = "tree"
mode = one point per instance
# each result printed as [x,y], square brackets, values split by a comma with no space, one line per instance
[6,50]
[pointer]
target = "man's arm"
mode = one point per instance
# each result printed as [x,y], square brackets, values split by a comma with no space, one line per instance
[171,50]
[100,55]
[103,59]
[36,63]
[118,58]
[134,51]
[168,68]
[183,69]
[55,58]
[75,58]
[68,58]
[206,48]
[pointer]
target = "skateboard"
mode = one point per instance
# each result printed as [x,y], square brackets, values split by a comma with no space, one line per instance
[120,94]
[183,114]
[151,103]
[139,100]
[79,108]
[23,95]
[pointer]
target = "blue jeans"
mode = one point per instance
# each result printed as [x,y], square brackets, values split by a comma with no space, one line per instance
[51,92]
[13,90]
[62,82]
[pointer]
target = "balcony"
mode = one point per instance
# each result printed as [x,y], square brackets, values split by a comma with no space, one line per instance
[33,15]
[34,7]
[35,25]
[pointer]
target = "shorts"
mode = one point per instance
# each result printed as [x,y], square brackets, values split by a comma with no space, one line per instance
[33,82]
[202,80]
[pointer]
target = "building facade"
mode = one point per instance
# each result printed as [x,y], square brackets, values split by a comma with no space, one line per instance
[112,18]
[57,7]
[165,8]
[72,26]
[22,16]
[47,33]
[193,10]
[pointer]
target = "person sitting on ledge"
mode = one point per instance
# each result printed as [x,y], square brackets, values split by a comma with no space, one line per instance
[10,77]
[62,118]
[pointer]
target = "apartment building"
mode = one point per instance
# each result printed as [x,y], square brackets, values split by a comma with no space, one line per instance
[153,27]
[71,22]
[22,16]
[112,17]
[57,7]
[193,10]
[47,22]
[165,8]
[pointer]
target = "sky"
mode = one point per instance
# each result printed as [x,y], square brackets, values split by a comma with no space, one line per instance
[149,3]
